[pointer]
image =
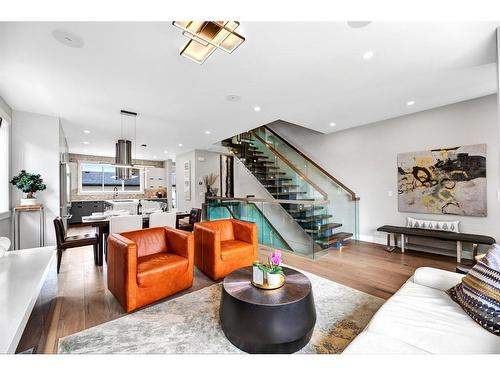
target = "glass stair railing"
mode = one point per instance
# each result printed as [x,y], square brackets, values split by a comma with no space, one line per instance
[231,208]
[298,184]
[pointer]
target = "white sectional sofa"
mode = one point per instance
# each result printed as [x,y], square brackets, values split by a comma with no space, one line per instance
[421,318]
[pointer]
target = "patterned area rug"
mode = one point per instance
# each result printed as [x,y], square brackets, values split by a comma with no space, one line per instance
[190,324]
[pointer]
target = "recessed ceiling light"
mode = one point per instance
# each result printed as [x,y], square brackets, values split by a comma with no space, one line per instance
[67,38]
[358,24]
[207,132]
[165,152]
[86,131]
[155,157]
[256,108]
[332,124]
[411,102]
[180,144]
[86,142]
[232,98]
[368,55]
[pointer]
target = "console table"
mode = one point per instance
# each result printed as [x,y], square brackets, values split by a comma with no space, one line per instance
[28,286]
[16,223]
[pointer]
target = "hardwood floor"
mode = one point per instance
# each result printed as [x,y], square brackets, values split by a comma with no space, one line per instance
[367,267]
[84,300]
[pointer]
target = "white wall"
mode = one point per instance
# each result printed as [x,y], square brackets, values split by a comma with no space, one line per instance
[6,113]
[183,204]
[364,158]
[35,147]
[202,163]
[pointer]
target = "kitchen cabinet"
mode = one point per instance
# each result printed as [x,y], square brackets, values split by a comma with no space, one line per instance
[84,208]
[155,178]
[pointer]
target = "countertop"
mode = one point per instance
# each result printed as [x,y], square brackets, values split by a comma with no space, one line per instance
[22,275]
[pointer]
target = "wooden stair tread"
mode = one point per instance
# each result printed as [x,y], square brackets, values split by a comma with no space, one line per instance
[334,238]
[310,219]
[280,186]
[289,193]
[278,179]
[323,228]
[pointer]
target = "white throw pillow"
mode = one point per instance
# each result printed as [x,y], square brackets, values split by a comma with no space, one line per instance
[448,226]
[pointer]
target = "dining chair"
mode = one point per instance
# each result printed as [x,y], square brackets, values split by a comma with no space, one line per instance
[67,242]
[126,223]
[162,219]
[120,224]
[194,217]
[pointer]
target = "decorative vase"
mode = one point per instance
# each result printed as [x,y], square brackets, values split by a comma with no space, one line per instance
[273,279]
[28,201]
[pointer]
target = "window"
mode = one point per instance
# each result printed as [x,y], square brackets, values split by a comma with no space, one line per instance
[4,168]
[101,178]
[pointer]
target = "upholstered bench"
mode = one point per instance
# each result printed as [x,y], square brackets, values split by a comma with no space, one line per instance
[475,239]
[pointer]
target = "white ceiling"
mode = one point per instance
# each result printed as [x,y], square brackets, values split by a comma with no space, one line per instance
[309,74]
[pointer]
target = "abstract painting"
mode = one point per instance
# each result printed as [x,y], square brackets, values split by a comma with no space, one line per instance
[448,181]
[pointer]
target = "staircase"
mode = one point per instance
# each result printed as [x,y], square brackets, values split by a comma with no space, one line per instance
[307,193]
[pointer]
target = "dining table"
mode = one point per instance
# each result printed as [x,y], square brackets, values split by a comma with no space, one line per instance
[102,227]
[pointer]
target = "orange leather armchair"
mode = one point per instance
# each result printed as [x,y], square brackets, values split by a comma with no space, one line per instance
[223,246]
[150,264]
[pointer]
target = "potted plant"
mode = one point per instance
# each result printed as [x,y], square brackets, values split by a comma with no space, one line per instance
[273,270]
[28,183]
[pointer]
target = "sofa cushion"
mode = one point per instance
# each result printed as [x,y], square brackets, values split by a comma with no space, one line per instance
[479,292]
[234,250]
[153,269]
[426,318]
[148,241]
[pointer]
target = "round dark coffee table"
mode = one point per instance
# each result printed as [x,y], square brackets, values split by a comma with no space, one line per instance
[267,321]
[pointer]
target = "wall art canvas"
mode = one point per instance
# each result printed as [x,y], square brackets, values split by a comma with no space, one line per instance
[448,181]
[187,180]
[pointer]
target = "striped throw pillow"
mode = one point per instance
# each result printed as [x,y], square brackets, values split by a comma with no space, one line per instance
[479,292]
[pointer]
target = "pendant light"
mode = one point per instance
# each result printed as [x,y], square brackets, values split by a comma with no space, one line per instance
[123,153]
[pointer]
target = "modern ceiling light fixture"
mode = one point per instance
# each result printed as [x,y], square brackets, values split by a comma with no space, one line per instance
[207,36]
[123,155]
[410,103]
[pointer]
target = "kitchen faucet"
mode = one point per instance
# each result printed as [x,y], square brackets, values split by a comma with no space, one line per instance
[115,192]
